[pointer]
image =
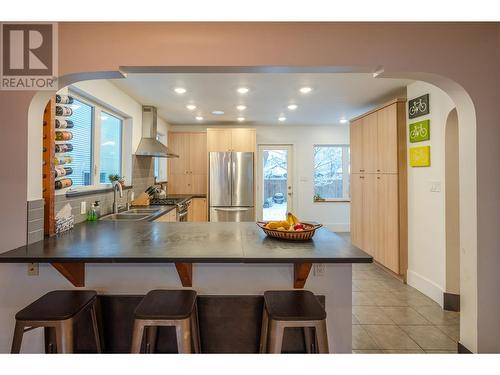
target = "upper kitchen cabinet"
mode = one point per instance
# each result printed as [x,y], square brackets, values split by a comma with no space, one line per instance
[374,140]
[188,173]
[236,139]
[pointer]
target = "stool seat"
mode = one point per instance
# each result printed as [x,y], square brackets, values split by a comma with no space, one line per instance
[166,305]
[57,305]
[293,305]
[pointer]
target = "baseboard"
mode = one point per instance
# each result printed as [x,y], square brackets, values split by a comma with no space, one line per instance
[426,286]
[337,227]
[463,350]
[451,302]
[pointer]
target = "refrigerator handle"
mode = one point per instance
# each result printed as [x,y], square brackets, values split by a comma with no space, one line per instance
[230,174]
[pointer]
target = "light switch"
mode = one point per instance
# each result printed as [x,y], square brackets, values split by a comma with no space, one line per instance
[435,186]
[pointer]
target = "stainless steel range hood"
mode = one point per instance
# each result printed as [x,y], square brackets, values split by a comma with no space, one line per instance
[149,145]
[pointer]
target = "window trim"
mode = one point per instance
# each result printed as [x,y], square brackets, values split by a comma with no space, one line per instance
[97,109]
[346,165]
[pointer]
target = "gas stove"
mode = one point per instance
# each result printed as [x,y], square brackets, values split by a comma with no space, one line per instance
[181,203]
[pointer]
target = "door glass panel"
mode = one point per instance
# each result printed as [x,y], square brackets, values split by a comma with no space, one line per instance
[275,184]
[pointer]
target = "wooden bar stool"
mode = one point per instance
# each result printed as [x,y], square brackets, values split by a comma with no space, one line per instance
[167,308]
[56,312]
[295,308]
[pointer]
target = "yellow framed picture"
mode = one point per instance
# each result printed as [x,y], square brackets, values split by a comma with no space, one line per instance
[420,156]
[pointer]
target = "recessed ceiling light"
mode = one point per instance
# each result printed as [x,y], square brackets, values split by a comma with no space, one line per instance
[191,107]
[305,90]
[343,121]
[180,90]
[242,90]
[199,118]
[217,112]
[292,107]
[241,107]
[240,119]
[281,118]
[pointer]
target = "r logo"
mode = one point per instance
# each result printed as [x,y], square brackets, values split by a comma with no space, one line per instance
[28,50]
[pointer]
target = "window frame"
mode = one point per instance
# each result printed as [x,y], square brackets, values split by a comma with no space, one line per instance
[97,109]
[346,166]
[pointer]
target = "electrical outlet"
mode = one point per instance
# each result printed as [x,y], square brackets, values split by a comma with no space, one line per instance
[319,269]
[435,186]
[32,269]
[83,208]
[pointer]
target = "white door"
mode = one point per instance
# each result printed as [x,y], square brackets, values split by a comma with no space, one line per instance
[275,181]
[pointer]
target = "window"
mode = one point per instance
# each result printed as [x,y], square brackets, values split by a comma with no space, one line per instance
[97,143]
[160,163]
[331,172]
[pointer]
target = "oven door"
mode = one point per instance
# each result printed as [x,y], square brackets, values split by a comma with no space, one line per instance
[182,215]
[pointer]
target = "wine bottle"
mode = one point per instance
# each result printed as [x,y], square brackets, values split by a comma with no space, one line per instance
[63,124]
[64,99]
[65,147]
[63,183]
[62,171]
[63,136]
[65,159]
[63,111]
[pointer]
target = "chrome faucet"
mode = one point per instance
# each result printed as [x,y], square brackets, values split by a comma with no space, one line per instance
[117,187]
[129,199]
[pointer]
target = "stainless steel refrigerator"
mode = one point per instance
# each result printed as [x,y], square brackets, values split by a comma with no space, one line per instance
[231,184]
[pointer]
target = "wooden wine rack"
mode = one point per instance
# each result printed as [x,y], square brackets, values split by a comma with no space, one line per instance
[49,138]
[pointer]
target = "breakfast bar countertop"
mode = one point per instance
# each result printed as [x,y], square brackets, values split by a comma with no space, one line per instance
[200,242]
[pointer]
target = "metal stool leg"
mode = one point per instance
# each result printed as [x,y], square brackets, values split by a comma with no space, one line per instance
[264,331]
[50,340]
[195,330]
[308,339]
[64,336]
[95,328]
[322,337]
[276,331]
[183,336]
[18,338]
[137,334]
[151,334]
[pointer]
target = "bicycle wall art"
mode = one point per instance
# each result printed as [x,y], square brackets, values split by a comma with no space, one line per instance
[420,156]
[419,106]
[420,131]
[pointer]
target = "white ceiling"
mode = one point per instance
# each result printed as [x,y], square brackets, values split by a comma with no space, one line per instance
[334,96]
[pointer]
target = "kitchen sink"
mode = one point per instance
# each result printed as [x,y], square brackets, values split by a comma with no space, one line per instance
[126,216]
[149,211]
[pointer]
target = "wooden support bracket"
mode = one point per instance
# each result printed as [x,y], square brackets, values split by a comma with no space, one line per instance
[300,274]
[74,272]
[185,271]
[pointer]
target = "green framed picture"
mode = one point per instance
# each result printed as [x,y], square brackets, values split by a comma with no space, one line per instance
[420,131]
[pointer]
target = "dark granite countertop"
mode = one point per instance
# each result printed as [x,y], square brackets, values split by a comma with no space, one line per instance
[161,242]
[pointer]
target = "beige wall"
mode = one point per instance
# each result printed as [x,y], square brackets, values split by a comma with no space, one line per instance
[462,59]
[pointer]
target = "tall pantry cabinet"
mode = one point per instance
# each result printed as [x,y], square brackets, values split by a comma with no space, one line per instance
[379,223]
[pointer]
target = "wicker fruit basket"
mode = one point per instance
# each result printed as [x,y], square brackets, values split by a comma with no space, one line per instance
[303,235]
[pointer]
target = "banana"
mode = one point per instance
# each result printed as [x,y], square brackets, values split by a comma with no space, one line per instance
[277,224]
[292,219]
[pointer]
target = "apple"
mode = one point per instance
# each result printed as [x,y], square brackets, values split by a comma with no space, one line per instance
[298,226]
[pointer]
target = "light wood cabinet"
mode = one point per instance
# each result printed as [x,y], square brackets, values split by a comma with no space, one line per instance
[379,222]
[188,173]
[387,140]
[168,217]
[356,135]
[235,139]
[199,209]
[190,211]
[387,241]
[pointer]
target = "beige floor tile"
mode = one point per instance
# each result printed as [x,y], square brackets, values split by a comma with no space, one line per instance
[370,286]
[355,288]
[413,351]
[391,337]
[361,339]
[438,316]
[414,297]
[452,331]
[430,338]
[373,351]
[354,320]
[371,315]
[405,316]
[362,299]
[388,299]
[441,352]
